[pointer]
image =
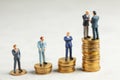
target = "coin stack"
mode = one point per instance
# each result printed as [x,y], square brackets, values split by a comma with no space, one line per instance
[44,69]
[18,73]
[66,66]
[91,56]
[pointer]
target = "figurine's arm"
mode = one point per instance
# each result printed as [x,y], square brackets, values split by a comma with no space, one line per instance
[71,38]
[13,53]
[38,46]
[19,53]
[45,45]
[68,39]
[92,20]
[85,18]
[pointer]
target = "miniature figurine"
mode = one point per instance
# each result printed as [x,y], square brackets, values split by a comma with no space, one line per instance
[41,49]
[94,22]
[16,53]
[68,44]
[86,18]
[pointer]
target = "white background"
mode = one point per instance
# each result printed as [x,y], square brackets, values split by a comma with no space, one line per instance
[24,21]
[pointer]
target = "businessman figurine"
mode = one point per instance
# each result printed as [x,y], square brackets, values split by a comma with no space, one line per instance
[94,22]
[41,49]
[16,54]
[86,18]
[68,44]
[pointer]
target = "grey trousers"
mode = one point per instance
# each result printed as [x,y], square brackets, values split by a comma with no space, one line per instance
[17,60]
[86,31]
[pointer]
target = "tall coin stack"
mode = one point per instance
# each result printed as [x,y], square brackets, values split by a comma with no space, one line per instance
[91,56]
[66,66]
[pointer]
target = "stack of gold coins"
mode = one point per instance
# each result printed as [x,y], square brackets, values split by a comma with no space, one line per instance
[91,56]
[66,66]
[44,69]
[18,73]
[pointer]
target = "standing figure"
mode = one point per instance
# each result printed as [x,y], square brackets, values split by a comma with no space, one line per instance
[41,49]
[16,54]
[68,44]
[94,22]
[86,18]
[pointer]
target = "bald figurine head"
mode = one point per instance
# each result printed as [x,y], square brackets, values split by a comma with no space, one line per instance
[68,34]
[87,12]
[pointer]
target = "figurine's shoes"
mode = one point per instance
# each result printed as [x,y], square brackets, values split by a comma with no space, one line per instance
[20,71]
[93,39]
[65,59]
[71,58]
[88,37]
[40,64]
[85,37]
[45,62]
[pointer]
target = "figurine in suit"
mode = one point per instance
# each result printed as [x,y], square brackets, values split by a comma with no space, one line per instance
[41,49]
[68,44]
[86,18]
[94,22]
[16,53]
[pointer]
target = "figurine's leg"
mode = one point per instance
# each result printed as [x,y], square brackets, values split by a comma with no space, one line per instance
[14,65]
[66,55]
[40,57]
[97,33]
[71,53]
[93,30]
[19,65]
[43,54]
[87,30]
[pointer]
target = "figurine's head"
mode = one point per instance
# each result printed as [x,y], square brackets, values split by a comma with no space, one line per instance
[94,13]
[42,38]
[14,46]
[87,12]
[68,34]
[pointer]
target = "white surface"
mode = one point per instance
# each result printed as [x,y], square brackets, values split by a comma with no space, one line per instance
[24,21]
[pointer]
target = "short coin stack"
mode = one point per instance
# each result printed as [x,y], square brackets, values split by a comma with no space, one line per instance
[17,73]
[91,56]
[44,69]
[66,66]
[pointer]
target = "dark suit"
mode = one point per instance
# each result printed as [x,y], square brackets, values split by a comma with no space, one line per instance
[16,59]
[86,24]
[94,22]
[68,45]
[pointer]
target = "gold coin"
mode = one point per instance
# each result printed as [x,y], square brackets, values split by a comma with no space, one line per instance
[91,61]
[69,62]
[91,57]
[91,65]
[62,70]
[62,60]
[91,69]
[91,54]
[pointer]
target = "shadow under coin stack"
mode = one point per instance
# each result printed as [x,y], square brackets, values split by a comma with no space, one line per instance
[44,69]
[91,56]
[66,66]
